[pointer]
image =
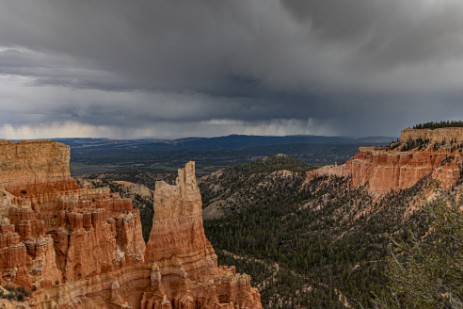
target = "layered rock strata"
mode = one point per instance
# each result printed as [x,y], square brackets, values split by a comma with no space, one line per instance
[184,264]
[83,247]
[436,153]
[446,135]
[32,168]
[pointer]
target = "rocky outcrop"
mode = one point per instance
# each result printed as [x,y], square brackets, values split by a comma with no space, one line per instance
[441,135]
[34,167]
[53,234]
[420,153]
[131,188]
[184,264]
[83,247]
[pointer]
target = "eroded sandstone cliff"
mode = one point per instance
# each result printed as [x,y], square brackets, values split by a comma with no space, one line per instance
[83,248]
[184,262]
[419,153]
[439,135]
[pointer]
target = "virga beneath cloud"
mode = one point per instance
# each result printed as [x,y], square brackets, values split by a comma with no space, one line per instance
[178,68]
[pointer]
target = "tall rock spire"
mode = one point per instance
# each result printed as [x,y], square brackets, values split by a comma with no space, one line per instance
[183,257]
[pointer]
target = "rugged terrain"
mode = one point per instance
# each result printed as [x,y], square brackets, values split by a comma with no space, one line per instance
[419,153]
[135,187]
[66,246]
[382,230]
[373,232]
[237,188]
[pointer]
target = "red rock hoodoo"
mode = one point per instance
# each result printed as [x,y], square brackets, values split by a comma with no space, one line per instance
[184,264]
[419,153]
[83,248]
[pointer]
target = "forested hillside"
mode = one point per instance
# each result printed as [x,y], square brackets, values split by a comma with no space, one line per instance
[329,245]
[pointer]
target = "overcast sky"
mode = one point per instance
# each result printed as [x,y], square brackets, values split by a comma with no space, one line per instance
[176,68]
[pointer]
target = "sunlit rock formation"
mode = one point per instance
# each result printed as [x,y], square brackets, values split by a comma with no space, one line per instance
[184,264]
[419,153]
[78,247]
[439,135]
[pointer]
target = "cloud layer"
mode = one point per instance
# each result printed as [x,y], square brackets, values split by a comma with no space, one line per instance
[166,68]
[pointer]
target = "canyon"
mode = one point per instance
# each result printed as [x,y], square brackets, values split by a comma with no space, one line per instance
[82,247]
[418,154]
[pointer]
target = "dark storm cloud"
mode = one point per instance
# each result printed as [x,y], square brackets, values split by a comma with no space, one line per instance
[391,32]
[292,66]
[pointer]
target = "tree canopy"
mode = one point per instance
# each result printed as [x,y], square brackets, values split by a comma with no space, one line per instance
[438,124]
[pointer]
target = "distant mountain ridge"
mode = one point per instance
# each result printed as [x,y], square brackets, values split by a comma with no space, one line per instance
[229,141]
[160,156]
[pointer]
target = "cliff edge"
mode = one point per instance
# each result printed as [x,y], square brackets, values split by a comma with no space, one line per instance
[62,246]
[419,153]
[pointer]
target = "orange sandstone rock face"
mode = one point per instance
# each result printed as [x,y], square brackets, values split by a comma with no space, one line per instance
[384,169]
[53,233]
[184,265]
[452,135]
[178,225]
[83,247]
[32,167]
